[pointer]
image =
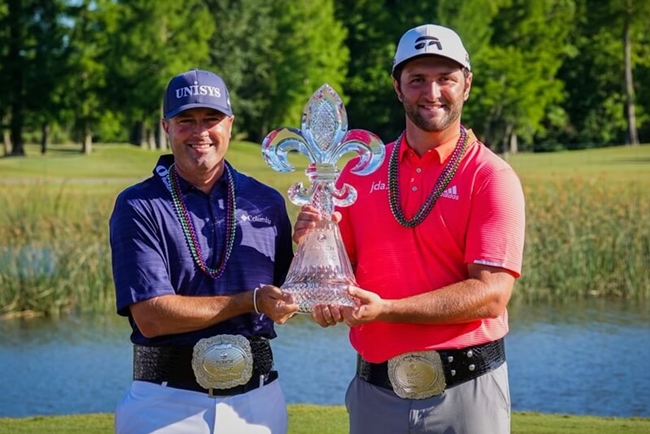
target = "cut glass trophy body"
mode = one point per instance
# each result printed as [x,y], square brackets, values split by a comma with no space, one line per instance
[321,271]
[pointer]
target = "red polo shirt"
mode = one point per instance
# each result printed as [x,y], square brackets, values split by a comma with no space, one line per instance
[479,219]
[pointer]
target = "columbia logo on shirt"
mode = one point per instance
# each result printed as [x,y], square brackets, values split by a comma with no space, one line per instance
[450,193]
[255,219]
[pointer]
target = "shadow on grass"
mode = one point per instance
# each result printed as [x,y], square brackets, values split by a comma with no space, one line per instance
[640,160]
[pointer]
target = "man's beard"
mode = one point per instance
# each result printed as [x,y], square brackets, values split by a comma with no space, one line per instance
[429,124]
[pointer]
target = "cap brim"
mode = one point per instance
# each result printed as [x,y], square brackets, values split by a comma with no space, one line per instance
[403,62]
[182,108]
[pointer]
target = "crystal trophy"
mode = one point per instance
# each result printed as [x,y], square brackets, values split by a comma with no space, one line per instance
[321,271]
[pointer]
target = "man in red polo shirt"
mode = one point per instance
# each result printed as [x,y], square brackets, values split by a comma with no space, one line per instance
[436,241]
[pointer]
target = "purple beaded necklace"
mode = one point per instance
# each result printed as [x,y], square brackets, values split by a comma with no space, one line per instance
[190,232]
[443,180]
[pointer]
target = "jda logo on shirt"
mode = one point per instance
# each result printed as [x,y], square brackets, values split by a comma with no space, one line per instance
[449,193]
[377,186]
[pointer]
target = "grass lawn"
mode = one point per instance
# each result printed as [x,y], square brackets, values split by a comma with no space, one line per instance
[313,419]
[112,167]
[126,163]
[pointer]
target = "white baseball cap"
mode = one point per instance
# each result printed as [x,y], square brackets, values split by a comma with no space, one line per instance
[430,39]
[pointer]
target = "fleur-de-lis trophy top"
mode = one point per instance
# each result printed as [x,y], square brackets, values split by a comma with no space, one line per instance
[324,138]
[321,271]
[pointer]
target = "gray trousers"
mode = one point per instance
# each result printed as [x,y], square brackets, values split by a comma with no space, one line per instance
[480,406]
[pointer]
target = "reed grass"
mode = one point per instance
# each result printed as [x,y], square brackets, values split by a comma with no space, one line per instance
[588,231]
[54,253]
[586,238]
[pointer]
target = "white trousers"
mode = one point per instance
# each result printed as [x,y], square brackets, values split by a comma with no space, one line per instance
[151,408]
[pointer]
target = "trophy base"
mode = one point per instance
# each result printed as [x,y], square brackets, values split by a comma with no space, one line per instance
[310,294]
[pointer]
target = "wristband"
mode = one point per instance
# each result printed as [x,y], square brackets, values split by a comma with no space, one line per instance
[255,300]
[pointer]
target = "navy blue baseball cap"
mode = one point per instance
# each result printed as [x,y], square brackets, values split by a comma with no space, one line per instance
[196,89]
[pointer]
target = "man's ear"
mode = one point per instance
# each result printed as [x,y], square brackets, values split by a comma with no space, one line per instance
[398,91]
[468,87]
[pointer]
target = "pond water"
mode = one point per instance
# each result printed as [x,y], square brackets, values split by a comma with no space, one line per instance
[589,358]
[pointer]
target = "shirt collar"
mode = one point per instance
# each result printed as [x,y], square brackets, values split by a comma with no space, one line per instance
[441,152]
[161,171]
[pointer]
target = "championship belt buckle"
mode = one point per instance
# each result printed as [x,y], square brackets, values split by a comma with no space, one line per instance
[222,361]
[417,375]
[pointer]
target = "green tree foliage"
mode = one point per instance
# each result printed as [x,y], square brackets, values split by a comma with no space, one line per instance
[629,17]
[641,80]
[371,38]
[274,55]
[45,76]
[15,23]
[153,41]
[516,83]
[472,19]
[547,73]
[33,63]
[4,97]
[87,91]
[599,99]
[473,22]
[309,52]
[374,29]
[240,51]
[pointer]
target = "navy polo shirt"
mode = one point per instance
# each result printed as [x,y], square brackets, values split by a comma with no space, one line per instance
[151,256]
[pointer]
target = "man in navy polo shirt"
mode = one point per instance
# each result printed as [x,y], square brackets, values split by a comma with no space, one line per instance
[192,247]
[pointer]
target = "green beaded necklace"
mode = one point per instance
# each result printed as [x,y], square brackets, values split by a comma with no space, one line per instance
[443,180]
[190,232]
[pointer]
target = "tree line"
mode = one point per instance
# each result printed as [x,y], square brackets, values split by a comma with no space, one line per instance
[548,74]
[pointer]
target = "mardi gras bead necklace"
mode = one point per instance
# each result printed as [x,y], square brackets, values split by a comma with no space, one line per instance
[190,232]
[442,182]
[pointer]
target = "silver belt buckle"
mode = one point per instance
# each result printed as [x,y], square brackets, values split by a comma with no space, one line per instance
[417,375]
[222,361]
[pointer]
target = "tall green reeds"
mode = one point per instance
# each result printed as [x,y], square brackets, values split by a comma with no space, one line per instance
[586,237]
[54,254]
[588,226]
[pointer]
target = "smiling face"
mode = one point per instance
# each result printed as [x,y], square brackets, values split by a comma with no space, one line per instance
[199,139]
[433,90]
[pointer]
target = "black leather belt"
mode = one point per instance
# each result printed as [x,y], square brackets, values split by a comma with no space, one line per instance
[459,365]
[173,365]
